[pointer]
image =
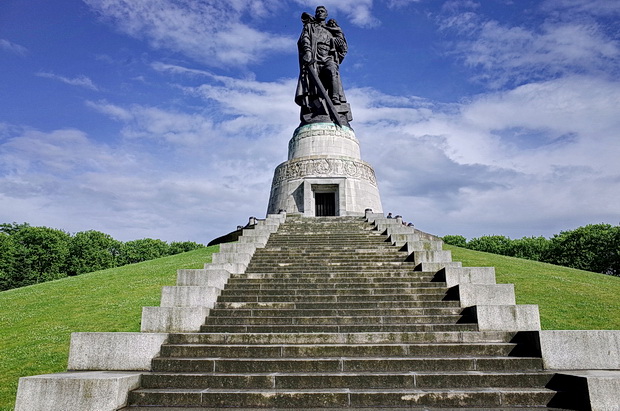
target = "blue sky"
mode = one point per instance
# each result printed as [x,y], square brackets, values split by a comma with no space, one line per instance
[167,118]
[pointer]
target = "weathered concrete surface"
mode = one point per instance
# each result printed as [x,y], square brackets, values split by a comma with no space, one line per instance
[203,277]
[238,248]
[602,388]
[434,267]
[189,296]
[473,275]
[411,246]
[581,350]
[172,319]
[401,239]
[109,351]
[242,258]
[76,391]
[432,256]
[486,294]
[371,215]
[507,317]
[233,268]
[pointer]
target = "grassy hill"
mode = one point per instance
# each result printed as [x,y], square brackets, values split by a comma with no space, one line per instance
[568,299]
[36,321]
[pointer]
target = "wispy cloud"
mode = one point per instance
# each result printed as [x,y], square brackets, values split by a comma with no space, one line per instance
[144,122]
[6,45]
[510,55]
[593,7]
[359,12]
[80,81]
[212,32]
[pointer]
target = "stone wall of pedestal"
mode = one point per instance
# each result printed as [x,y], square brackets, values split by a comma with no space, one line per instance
[324,158]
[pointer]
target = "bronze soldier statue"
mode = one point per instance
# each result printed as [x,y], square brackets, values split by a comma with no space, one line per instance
[322,47]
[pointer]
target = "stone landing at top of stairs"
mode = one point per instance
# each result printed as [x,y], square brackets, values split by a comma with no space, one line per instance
[329,315]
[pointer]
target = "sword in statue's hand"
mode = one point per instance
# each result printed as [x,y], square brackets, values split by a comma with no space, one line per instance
[311,66]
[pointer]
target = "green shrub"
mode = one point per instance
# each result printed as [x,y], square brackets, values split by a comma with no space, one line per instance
[457,240]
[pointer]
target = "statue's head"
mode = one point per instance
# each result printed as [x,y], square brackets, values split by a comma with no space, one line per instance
[320,13]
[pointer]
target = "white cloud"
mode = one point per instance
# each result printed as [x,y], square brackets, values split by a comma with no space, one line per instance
[400,3]
[594,7]
[359,12]
[212,32]
[144,122]
[80,81]
[11,47]
[507,55]
[532,160]
[66,180]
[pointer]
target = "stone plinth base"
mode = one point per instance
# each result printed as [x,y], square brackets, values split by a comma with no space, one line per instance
[324,175]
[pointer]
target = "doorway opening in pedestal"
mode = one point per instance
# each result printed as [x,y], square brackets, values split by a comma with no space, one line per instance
[325,200]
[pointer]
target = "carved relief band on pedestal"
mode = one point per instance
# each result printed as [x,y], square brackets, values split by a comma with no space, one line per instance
[301,168]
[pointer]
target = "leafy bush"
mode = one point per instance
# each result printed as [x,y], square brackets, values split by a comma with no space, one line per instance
[532,248]
[177,247]
[496,244]
[31,255]
[457,240]
[92,251]
[39,254]
[595,247]
[142,250]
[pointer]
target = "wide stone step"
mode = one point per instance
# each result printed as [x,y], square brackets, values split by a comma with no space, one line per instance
[345,364]
[286,245]
[338,350]
[342,338]
[336,305]
[262,312]
[361,328]
[334,273]
[335,320]
[349,261]
[332,291]
[332,298]
[270,284]
[345,262]
[290,252]
[156,408]
[364,380]
[295,399]
[309,241]
[415,278]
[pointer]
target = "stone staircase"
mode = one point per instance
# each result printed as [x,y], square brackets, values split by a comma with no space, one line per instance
[329,314]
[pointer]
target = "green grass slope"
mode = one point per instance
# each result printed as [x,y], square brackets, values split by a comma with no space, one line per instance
[568,299]
[36,322]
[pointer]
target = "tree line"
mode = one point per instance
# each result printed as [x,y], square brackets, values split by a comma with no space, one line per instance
[31,255]
[594,247]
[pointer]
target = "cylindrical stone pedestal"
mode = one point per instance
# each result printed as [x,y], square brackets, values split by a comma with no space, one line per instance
[324,175]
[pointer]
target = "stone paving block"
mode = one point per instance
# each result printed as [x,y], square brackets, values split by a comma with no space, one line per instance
[486,294]
[520,317]
[202,277]
[114,351]
[172,319]
[473,275]
[580,349]
[189,296]
[76,391]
